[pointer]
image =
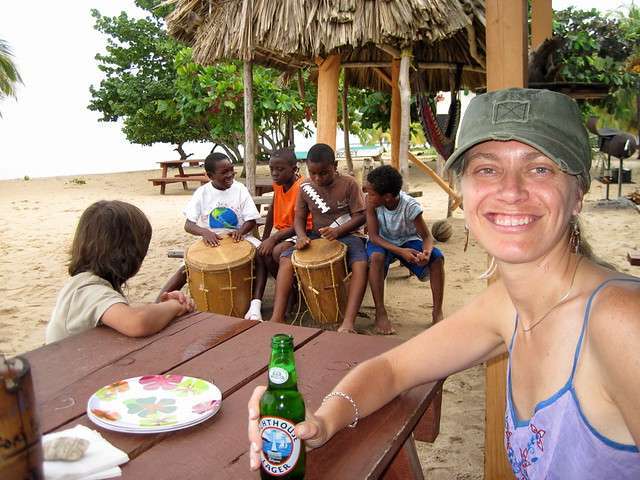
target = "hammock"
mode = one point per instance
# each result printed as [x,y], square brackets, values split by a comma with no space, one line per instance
[440,130]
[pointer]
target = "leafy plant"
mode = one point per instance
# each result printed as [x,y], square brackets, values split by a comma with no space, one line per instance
[140,77]
[9,76]
[213,96]
[603,49]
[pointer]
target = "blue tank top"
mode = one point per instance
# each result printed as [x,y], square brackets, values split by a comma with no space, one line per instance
[558,442]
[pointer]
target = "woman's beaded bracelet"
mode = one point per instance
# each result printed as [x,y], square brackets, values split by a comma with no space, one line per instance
[356,415]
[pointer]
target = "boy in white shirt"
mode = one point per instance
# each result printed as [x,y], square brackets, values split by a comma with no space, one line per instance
[224,207]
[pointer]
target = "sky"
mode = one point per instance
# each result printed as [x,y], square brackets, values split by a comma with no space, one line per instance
[49,131]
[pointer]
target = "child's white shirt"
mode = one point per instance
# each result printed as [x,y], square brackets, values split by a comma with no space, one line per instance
[222,210]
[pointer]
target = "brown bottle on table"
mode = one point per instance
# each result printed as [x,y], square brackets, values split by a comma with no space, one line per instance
[20,440]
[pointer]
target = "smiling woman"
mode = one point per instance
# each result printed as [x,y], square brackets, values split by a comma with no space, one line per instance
[515,198]
[567,322]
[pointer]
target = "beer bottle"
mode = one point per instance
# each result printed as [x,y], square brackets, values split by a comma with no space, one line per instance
[281,408]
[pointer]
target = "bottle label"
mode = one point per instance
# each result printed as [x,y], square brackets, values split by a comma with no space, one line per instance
[280,445]
[278,375]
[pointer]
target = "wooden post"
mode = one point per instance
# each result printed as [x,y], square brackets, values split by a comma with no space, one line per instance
[327,107]
[396,115]
[506,35]
[506,43]
[249,133]
[345,123]
[405,116]
[541,22]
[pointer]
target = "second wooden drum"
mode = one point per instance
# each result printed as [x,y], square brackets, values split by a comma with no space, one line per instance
[321,269]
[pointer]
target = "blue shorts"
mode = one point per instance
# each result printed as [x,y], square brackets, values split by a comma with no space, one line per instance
[420,271]
[355,247]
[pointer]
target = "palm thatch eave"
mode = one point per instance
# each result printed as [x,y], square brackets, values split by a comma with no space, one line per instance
[291,34]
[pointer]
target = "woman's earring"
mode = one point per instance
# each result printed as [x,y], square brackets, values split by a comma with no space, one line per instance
[574,239]
[466,237]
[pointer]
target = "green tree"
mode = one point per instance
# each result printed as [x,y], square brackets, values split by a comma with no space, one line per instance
[9,76]
[153,85]
[139,83]
[212,96]
[600,49]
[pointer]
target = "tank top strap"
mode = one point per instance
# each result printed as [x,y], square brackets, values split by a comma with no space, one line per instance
[585,321]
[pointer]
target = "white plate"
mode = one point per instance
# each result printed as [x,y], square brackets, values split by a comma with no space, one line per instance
[154,404]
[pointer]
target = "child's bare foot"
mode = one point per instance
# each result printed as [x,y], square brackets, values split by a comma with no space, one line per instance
[346,328]
[382,325]
[437,316]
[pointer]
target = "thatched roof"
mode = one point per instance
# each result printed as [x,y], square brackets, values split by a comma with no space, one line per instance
[291,34]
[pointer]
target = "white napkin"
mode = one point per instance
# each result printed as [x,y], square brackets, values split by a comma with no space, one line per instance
[100,461]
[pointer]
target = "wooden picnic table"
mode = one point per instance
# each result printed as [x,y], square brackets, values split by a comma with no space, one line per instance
[233,354]
[181,177]
[167,164]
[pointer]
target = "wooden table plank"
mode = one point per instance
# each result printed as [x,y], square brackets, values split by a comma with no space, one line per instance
[80,352]
[153,355]
[321,362]
[244,358]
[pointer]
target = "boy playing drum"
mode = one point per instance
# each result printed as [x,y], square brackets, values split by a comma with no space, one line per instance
[224,207]
[283,165]
[337,210]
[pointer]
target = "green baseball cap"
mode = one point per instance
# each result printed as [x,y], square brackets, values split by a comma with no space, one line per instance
[548,121]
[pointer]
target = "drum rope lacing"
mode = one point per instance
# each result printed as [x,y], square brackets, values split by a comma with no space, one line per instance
[230,287]
[334,287]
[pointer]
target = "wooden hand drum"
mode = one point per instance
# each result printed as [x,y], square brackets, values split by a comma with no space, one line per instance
[221,278]
[321,269]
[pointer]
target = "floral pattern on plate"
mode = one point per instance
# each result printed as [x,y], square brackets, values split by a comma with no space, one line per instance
[154,403]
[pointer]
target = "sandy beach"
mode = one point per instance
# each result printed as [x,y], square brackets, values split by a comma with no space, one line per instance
[38,219]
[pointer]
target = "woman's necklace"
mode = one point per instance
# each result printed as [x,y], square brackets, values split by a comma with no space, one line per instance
[560,302]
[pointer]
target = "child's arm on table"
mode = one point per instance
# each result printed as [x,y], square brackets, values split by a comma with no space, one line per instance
[427,239]
[146,319]
[408,254]
[176,282]
[210,238]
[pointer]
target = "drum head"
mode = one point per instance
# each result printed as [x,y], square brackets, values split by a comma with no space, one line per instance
[226,255]
[320,251]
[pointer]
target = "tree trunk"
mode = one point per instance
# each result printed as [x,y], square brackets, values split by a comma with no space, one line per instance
[345,123]
[183,154]
[396,114]
[405,115]
[249,134]
[292,137]
[638,112]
